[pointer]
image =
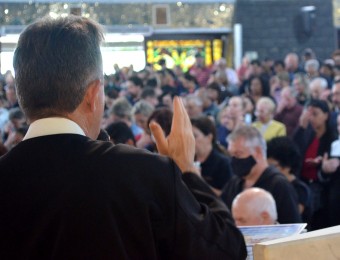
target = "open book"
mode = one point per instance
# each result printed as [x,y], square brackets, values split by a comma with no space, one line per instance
[257,234]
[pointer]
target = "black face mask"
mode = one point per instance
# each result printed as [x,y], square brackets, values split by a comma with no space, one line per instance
[242,167]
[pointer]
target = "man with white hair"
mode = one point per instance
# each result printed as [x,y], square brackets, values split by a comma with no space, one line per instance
[319,88]
[312,68]
[253,207]
[247,149]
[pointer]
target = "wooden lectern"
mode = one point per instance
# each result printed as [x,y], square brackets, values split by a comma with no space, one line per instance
[323,244]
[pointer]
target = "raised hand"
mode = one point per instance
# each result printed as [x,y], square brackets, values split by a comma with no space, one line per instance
[180,143]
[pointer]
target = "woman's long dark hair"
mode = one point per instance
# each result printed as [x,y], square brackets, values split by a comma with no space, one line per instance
[207,126]
[330,133]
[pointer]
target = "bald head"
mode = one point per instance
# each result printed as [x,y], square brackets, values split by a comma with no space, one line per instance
[254,206]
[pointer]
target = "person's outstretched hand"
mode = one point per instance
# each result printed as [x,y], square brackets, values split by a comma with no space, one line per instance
[180,143]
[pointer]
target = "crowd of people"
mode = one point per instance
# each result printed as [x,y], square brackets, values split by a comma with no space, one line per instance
[270,124]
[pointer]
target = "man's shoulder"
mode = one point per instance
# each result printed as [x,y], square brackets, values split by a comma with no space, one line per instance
[84,149]
[273,176]
[275,182]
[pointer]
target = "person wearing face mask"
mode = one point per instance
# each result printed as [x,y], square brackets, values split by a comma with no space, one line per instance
[247,149]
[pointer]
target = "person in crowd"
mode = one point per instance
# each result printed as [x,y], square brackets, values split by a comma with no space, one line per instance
[15,137]
[249,110]
[312,67]
[301,87]
[326,72]
[134,87]
[194,106]
[200,71]
[167,80]
[268,66]
[3,113]
[121,112]
[314,137]
[331,166]
[214,92]
[268,127]
[226,77]
[277,83]
[319,88]
[221,78]
[335,98]
[336,57]
[288,111]
[77,198]
[110,97]
[242,71]
[221,64]
[336,72]
[279,66]
[16,120]
[258,88]
[190,83]
[254,207]
[11,96]
[162,116]
[230,117]
[215,166]
[283,154]
[237,106]
[120,133]
[307,54]
[141,111]
[247,149]
[166,99]
[149,95]
[254,70]
[209,106]
[292,65]
[225,124]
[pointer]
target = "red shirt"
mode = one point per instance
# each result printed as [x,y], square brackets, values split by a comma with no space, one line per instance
[309,170]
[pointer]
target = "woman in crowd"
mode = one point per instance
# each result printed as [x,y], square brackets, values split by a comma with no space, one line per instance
[141,111]
[163,116]
[314,137]
[331,167]
[215,166]
[258,88]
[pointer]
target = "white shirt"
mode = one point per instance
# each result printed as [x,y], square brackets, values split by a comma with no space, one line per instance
[52,126]
[335,149]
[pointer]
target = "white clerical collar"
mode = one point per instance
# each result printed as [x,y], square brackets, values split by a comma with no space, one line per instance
[52,126]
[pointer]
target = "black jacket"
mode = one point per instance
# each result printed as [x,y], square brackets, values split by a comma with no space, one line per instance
[274,182]
[68,197]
